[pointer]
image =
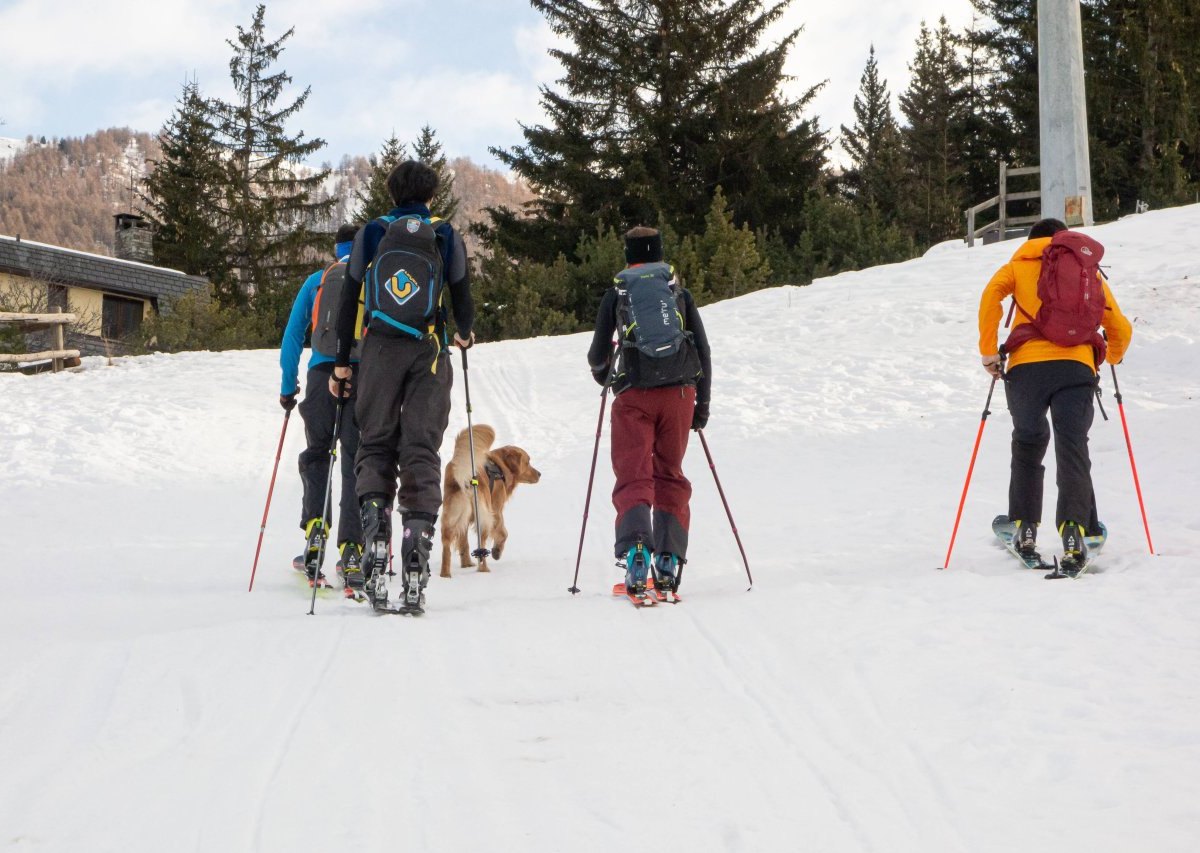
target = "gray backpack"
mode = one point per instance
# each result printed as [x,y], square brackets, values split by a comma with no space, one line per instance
[325,308]
[656,349]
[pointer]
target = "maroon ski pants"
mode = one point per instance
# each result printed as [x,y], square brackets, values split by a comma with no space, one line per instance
[649,439]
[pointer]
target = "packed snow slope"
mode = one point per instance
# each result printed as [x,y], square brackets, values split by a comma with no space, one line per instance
[857,699]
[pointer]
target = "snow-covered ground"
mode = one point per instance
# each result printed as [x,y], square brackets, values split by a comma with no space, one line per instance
[857,699]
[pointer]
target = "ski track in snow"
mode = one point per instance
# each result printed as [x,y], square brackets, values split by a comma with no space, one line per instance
[855,700]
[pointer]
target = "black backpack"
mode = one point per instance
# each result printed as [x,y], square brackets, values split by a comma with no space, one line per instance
[656,349]
[405,280]
[325,308]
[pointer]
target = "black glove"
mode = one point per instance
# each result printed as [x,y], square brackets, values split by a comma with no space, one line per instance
[700,416]
[601,375]
[288,401]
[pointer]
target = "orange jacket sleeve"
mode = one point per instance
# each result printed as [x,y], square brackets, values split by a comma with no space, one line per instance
[1117,327]
[991,308]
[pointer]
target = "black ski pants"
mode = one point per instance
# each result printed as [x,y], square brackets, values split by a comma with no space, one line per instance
[1065,389]
[319,409]
[403,409]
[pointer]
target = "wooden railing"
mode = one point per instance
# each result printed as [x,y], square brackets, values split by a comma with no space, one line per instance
[1003,221]
[35,323]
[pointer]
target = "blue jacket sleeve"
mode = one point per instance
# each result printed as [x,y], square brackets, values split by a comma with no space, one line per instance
[293,336]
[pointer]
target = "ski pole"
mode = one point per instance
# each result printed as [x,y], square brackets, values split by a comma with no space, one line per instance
[587,501]
[970,469]
[262,528]
[480,552]
[986,411]
[329,491]
[1133,465]
[721,492]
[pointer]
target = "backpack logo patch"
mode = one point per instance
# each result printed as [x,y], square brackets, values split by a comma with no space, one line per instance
[402,287]
[414,225]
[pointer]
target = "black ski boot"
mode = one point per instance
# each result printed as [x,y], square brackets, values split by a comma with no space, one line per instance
[377,537]
[349,569]
[415,549]
[314,552]
[1075,552]
[1025,539]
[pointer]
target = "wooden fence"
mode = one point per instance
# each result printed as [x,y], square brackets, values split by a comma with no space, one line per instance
[35,323]
[1003,220]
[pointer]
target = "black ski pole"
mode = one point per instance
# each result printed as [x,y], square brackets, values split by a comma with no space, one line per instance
[587,501]
[270,490]
[480,552]
[721,492]
[337,428]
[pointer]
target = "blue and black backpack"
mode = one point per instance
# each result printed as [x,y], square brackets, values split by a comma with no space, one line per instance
[404,282]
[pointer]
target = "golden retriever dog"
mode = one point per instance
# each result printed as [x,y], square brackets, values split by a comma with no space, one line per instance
[498,473]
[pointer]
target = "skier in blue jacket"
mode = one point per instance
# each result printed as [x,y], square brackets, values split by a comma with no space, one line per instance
[318,297]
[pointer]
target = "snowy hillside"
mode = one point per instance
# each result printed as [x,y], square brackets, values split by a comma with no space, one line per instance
[9,147]
[856,700]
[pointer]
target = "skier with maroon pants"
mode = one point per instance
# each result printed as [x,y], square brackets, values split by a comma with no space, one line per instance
[661,382]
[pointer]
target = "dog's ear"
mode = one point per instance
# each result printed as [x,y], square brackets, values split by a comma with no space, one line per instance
[518,465]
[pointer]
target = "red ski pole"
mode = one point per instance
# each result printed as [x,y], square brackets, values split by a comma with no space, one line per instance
[970,469]
[979,435]
[270,490]
[1133,465]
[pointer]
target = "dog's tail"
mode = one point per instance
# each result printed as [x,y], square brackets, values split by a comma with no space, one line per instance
[484,436]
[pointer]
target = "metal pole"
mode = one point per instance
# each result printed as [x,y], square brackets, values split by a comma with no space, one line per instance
[480,552]
[721,492]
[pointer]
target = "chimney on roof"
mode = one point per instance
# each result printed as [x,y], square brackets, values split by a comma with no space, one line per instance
[134,238]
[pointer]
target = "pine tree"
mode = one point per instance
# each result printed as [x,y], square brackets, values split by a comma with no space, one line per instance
[661,101]
[374,200]
[1143,65]
[428,150]
[876,155]
[182,193]
[269,203]
[1008,48]
[929,103]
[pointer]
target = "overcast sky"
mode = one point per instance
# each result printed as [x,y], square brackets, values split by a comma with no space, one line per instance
[469,68]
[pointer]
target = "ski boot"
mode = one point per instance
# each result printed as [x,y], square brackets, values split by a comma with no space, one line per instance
[377,538]
[415,548]
[349,569]
[1075,552]
[314,552]
[666,576]
[1025,540]
[637,566]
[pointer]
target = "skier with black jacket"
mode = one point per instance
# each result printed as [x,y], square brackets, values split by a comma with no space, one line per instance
[405,262]
[661,383]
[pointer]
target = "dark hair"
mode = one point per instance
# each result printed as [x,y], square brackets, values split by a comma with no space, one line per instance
[412,182]
[1046,228]
[345,233]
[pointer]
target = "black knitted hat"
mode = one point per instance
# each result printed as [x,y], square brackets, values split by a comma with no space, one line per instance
[643,246]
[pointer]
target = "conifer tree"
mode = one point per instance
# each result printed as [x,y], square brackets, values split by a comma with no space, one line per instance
[876,155]
[660,102]
[1006,40]
[929,104]
[270,205]
[428,150]
[182,192]
[374,200]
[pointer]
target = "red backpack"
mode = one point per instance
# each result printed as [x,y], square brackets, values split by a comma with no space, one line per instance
[1072,295]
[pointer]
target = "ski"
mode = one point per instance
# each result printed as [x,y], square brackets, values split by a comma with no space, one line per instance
[324,587]
[1006,531]
[637,599]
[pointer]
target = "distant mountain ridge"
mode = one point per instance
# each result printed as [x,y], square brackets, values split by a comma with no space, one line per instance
[65,191]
